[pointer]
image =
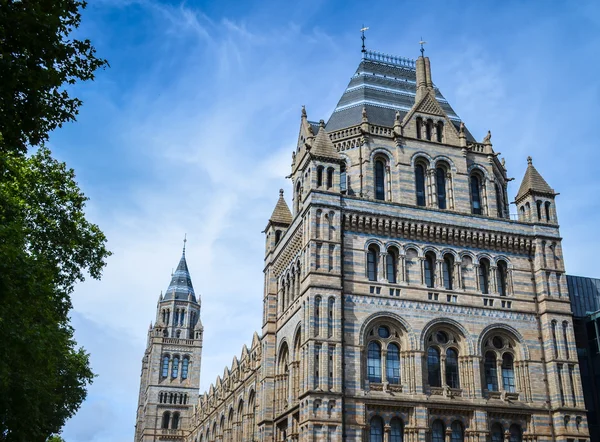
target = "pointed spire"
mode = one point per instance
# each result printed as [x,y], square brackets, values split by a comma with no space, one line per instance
[181,283]
[323,146]
[281,214]
[533,182]
[160,296]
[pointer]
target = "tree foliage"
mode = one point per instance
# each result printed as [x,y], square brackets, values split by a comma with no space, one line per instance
[38,61]
[45,245]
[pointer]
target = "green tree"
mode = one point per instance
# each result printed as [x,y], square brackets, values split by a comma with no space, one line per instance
[55,438]
[38,62]
[46,245]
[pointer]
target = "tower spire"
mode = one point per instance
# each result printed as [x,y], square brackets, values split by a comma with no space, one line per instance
[363,38]
[184,241]
[422,42]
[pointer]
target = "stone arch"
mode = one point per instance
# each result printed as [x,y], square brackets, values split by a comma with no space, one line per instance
[517,336]
[454,253]
[389,316]
[432,249]
[421,156]
[481,256]
[414,247]
[479,168]
[498,258]
[444,159]
[452,324]
[382,152]
[373,241]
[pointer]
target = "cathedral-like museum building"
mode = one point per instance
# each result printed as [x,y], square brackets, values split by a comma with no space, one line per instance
[402,300]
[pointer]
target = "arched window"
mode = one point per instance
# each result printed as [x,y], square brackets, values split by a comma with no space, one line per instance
[508,373]
[379,179]
[490,371]
[497,433]
[429,265]
[554,342]
[317,315]
[539,209]
[298,196]
[452,368]
[437,431]
[175,367]
[178,334]
[440,131]
[458,434]
[565,325]
[475,195]
[376,430]
[372,262]
[176,317]
[184,368]
[433,367]
[484,276]
[329,177]
[175,422]
[165,366]
[448,269]
[277,236]
[374,362]
[440,180]
[501,274]
[499,202]
[419,127]
[166,417]
[391,262]
[396,430]
[528,211]
[165,333]
[319,176]
[428,129]
[516,435]
[330,317]
[343,178]
[392,364]
[547,209]
[420,184]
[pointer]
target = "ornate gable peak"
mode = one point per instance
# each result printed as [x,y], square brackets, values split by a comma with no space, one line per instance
[429,105]
[245,352]
[255,341]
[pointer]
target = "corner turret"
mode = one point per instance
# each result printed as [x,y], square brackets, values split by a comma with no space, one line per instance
[536,199]
[280,220]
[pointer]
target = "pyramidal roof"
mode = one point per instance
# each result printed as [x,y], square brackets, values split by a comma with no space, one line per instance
[384,85]
[181,283]
[322,146]
[533,182]
[281,214]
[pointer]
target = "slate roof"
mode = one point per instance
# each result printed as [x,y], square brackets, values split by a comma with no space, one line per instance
[533,181]
[383,85]
[281,214]
[181,283]
[322,146]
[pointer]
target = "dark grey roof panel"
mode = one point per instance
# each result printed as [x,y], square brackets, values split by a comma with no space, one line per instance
[181,283]
[584,294]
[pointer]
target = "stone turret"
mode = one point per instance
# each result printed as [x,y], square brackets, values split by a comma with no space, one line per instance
[536,199]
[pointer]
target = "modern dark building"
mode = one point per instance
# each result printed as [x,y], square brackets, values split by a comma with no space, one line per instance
[585,303]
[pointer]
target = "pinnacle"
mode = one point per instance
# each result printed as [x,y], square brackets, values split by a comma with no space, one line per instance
[281,214]
[533,182]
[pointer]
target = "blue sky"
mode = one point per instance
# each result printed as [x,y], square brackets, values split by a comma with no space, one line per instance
[191,131]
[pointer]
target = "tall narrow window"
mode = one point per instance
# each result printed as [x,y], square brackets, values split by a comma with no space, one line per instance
[433,367]
[554,341]
[330,367]
[391,266]
[475,195]
[547,209]
[329,177]
[176,317]
[182,317]
[429,265]
[440,180]
[317,364]
[508,373]
[376,430]
[184,368]
[499,203]
[175,368]
[343,178]
[392,364]
[379,180]
[175,423]
[440,131]
[528,212]
[484,273]
[539,209]
[166,417]
[419,127]
[420,184]
[372,258]
[572,383]
[491,372]
[497,433]
[457,432]
[374,362]
[277,236]
[565,325]
[165,366]
[516,435]
[501,274]
[452,368]
[448,268]
[317,315]
[319,176]
[396,430]
[428,129]
[560,383]
[438,432]
[330,317]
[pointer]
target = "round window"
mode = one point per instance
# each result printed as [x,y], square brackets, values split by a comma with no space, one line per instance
[497,342]
[441,337]
[384,332]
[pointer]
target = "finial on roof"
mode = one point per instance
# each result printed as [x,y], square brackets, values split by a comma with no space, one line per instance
[529,161]
[281,193]
[303,111]
[322,123]
[363,38]
[184,241]
[422,48]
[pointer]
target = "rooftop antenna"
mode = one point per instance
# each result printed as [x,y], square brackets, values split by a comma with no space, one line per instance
[184,241]
[422,48]
[362,37]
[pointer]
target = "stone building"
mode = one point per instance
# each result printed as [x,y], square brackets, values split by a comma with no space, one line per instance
[401,301]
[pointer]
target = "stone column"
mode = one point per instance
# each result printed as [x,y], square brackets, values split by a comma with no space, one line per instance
[450,191]
[386,432]
[381,267]
[401,269]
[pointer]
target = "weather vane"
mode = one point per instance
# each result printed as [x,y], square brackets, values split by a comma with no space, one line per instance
[362,30]
[422,48]
[184,241]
